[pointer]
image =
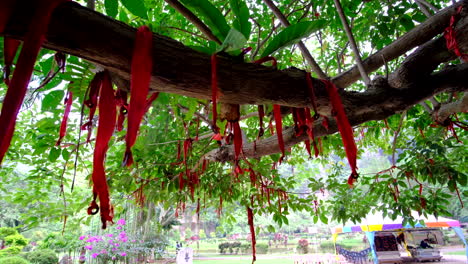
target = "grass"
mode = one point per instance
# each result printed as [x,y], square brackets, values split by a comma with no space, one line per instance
[244,261]
[460,253]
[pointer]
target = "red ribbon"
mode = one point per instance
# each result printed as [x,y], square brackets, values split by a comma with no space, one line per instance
[450,37]
[19,83]
[92,101]
[121,102]
[139,87]
[63,125]
[107,120]
[250,221]
[279,128]
[345,129]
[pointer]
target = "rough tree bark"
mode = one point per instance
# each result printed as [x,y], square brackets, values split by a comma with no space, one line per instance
[178,69]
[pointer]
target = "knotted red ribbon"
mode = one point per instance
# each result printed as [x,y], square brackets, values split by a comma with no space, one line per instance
[139,87]
[121,102]
[345,129]
[19,83]
[92,101]
[450,36]
[106,125]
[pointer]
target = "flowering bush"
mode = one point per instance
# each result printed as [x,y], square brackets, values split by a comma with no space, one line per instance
[117,245]
[303,246]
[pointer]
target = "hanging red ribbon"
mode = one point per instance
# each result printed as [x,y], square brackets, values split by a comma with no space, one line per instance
[106,125]
[92,101]
[279,129]
[214,94]
[345,129]
[250,220]
[261,115]
[142,65]
[19,83]
[63,126]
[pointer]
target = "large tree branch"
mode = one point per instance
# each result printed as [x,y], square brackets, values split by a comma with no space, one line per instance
[415,37]
[177,68]
[382,102]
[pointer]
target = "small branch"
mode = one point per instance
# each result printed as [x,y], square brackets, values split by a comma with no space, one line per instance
[423,8]
[448,109]
[434,102]
[188,32]
[194,19]
[424,2]
[352,41]
[426,107]
[91,4]
[400,125]
[305,52]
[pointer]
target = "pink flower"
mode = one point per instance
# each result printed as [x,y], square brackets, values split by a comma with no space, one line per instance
[114,249]
[89,247]
[94,255]
[123,254]
[113,258]
[109,235]
[119,227]
[82,237]
[121,222]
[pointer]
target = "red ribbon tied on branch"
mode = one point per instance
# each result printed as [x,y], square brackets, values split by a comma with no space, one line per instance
[450,36]
[142,65]
[345,129]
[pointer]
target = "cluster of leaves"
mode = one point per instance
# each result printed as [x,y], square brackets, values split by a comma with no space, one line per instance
[31,168]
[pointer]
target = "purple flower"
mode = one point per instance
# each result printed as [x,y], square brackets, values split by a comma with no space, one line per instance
[121,222]
[114,249]
[113,258]
[109,235]
[123,254]
[119,227]
[82,237]
[89,247]
[95,255]
[116,244]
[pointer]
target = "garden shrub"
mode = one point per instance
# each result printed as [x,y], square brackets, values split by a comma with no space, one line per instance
[327,246]
[16,240]
[303,246]
[10,251]
[232,247]
[42,256]
[7,231]
[261,248]
[14,260]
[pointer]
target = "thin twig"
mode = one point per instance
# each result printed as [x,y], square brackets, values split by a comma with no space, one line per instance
[188,32]
[423,8]
[194,19]
[424,2]
[426,107]
[305,52]
[354,46]
[400,125]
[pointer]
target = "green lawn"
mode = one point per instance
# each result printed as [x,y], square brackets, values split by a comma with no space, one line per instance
[461,253]
[244,261]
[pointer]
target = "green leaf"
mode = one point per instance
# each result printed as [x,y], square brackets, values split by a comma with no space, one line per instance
[52,100]
[323,218]
[292,35]
[210,15]
[234,41]
[241,20]
[136,7]
[112,7]
[407,22]
[54,154]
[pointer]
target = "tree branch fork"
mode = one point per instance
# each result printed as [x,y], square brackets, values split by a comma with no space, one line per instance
[181,70]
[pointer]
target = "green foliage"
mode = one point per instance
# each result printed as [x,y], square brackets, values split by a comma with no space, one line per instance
[210,15]
[229,247]
[261,248]
[42,256]
[16,240]
[136,7]
[241,20]
[112,7]
[10,251]
[7,231]
[292,35]
[14,260]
